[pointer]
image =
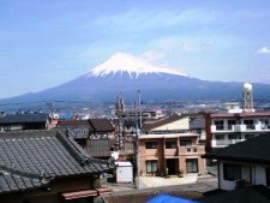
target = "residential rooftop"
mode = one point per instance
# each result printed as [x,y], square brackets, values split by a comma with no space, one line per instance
[32,159]
[253,150]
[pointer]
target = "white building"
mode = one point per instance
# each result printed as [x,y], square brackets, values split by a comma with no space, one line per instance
[242,164]
[223,129]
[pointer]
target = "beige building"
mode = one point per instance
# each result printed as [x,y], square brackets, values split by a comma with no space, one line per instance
[168,147]
[171,154]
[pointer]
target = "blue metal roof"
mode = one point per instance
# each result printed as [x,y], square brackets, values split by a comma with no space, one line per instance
[165,198]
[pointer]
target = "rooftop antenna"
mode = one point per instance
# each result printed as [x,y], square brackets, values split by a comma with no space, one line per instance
[248,97]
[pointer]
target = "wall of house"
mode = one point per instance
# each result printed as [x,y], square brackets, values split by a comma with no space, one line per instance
[181,124]
[257,171]
[151,154]
[180,154]
[259,175]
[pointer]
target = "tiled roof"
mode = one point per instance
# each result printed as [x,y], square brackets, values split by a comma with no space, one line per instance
[31,159]
[163,121]
[24,118]
[15,180]
[77,129]
[197,123]
[74,123]
[99,148]
[254,150]
[101,125]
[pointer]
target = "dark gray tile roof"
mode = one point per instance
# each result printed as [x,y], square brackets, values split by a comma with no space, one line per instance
[24,118]
[254,150]
[15,180]
[35,154]
[101,125]
[197,123]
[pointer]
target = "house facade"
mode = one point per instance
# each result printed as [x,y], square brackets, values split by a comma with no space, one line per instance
[168,147]
[170,154]
[244,163]
[223,129]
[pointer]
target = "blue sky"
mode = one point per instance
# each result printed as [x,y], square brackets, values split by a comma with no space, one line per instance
[44,43]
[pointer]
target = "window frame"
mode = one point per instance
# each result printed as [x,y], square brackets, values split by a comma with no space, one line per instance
[184,143]
[194,167]
[171,144]
[151,145]
[219,124]
[153,165]
[232,172]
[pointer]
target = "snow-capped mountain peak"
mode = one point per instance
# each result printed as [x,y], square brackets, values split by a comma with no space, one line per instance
[122,62]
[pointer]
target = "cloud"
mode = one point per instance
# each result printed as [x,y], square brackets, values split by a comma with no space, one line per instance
[263,50]
[137,20]
[152,56]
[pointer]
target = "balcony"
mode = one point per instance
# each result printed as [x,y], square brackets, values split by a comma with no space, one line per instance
[242,128]
[225,142]
[239,128]
[214,129]
[192,149]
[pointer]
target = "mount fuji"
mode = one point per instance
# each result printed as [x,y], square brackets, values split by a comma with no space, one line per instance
[127,74]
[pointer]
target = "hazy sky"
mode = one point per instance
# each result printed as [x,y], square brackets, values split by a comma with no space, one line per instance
[44,43]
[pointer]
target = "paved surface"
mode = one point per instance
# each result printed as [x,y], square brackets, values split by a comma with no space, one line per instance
[188,183]
[150,182]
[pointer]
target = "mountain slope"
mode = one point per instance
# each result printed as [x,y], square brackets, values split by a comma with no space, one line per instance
[126,74]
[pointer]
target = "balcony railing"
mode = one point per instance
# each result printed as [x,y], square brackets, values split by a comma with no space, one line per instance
[241,128]
[225,142]
[192,149]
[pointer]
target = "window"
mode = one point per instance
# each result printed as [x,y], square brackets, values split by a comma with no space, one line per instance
[151,145]
[249,124]
[264,123]
[185,142]
[248,136]
[151,166]
[231,171]
[219,124]
[235,136]
[231,123]
[171,145]
[219,137]
[192,165]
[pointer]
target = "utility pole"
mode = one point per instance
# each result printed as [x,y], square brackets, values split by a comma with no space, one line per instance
[140,110]
[137,155]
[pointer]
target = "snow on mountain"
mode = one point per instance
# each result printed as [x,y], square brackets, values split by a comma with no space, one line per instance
[122,62]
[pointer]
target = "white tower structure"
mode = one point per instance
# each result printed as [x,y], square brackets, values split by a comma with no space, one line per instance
[248,98]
